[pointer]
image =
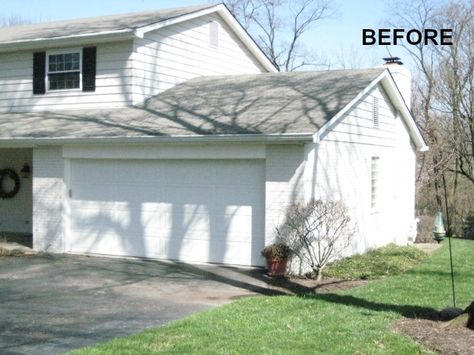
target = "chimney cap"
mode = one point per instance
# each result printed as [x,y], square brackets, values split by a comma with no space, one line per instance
[393,60]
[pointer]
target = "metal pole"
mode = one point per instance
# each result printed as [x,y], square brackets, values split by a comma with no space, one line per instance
[452,271]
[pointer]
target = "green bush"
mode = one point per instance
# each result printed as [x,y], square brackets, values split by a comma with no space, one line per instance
[377,263]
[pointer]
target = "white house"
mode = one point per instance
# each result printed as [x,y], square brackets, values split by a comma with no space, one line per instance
[170,135]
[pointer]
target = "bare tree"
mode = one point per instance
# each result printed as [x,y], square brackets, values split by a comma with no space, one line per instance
[455,92]
[279,34]
[352,58]
[444,100]
[316,232]
[14,21]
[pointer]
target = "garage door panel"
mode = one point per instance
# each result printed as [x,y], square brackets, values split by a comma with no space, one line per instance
[124,245]
[90,171]
[195,210]
[98,191]
[216,251]
[95,218]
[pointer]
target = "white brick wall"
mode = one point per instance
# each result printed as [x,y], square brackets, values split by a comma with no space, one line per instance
[338,168]
[48,199]
[283,184]
[15,213]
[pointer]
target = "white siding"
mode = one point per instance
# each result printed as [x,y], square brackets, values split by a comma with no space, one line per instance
[283,184]
[16,213]
[338,168]
[48,199]
[357,125]
[174,54]
[404,175]
[113,82]
[129,72]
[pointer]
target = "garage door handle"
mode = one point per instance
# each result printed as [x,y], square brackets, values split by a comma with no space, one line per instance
[70,193]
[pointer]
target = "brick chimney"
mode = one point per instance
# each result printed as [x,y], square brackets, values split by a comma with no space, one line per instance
[402,77]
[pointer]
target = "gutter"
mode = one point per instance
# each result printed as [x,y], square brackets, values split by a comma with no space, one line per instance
[196,139]
[98,37]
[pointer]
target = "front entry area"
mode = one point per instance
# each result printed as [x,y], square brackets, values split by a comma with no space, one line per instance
[199,210]
[16,195]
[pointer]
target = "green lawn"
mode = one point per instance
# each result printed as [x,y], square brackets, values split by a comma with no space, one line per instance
[355,321]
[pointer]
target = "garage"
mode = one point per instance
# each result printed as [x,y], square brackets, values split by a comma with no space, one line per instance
[187,210]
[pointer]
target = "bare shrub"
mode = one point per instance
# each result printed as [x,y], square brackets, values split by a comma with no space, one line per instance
[316,232]
[425,229]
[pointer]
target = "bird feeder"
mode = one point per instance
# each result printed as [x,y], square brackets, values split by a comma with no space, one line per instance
[439,232]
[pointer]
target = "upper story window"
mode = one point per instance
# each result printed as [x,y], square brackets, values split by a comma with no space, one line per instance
[64,70]
[70,69]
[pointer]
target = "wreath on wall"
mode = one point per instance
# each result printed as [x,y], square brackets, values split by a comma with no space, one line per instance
[11,174]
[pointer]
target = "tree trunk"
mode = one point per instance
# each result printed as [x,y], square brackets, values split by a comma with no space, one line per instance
[319,274]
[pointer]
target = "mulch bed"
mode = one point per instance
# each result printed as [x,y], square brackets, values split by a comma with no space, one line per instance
[437,336]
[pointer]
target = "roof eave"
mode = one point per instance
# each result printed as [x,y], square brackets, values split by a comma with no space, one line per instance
[218,138]
[99,37]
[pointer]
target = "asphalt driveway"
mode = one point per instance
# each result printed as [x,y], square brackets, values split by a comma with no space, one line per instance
[52,304]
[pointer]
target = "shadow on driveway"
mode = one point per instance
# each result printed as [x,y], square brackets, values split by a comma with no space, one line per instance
[52,304]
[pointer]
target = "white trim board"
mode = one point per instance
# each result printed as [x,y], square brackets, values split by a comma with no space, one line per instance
[166,151]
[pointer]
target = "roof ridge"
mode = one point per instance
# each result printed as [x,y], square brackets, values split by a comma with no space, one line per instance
[289,73]
[111,16]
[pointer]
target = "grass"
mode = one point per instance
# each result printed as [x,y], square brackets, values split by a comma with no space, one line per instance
[387,261]
[355,321]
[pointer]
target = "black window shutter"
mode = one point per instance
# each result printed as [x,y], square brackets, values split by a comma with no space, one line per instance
[89,55]
[39,72]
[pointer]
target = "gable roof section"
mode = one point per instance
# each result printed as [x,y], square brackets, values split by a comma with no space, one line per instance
[291,105]
[118,27]
[388,83]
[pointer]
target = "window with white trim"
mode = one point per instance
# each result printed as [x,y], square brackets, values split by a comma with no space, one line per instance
[374,182]
[375,112]
[63,70]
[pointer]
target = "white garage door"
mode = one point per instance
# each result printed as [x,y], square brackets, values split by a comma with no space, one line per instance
[187,210]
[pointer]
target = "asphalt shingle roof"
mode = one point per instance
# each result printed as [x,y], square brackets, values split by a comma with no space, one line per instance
[271,103]
[85,26]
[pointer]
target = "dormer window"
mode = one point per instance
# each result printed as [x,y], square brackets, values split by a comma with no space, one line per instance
[64,70]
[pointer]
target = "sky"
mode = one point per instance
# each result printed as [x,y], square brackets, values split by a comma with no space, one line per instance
[336,40]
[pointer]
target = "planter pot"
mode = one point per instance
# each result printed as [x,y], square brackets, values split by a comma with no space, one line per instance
[276,267]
